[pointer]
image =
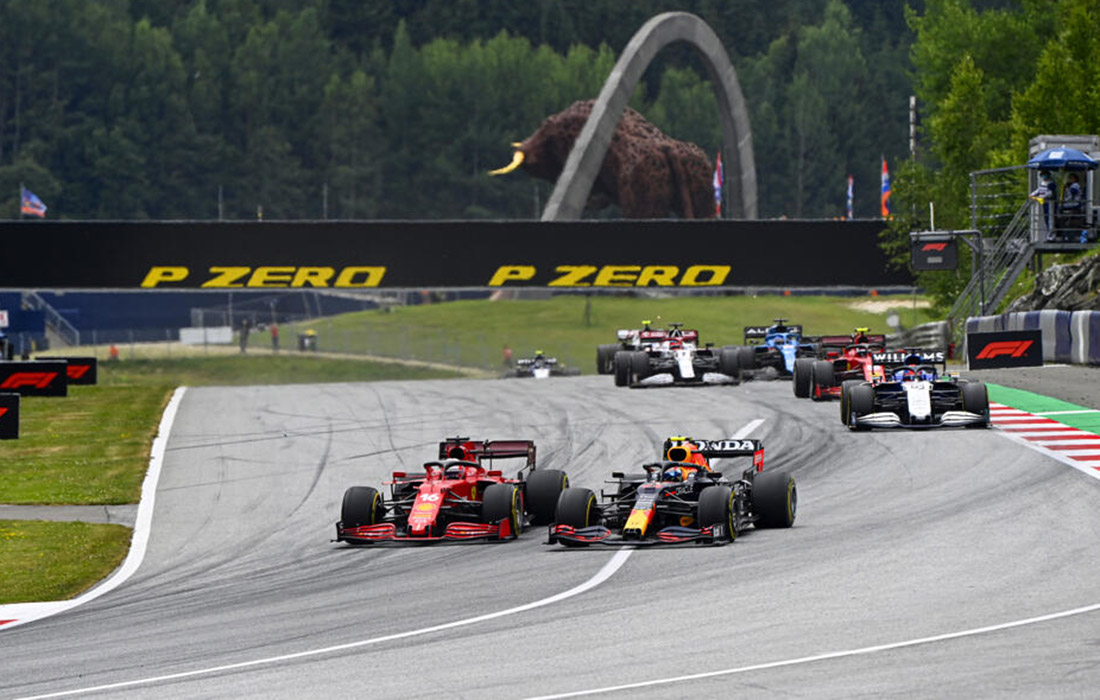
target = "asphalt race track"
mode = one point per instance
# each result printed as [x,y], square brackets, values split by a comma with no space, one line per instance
[954,563]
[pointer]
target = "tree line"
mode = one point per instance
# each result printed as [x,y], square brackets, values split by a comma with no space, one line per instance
[302,109]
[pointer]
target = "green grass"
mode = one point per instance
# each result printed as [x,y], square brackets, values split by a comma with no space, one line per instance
[473,333]
[55,561]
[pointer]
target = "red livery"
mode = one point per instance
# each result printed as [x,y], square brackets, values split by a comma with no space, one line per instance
[458,497]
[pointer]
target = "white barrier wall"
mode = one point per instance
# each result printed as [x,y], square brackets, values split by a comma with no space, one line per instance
[1068,336]
[217,335]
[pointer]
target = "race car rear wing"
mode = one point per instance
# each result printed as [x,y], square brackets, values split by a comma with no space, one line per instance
[526,361]
[904,357]
[846,340]
[756,334]
[488,449]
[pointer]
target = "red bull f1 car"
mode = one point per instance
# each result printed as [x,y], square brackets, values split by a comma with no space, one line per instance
[460,496]
[680,499]
[912,393]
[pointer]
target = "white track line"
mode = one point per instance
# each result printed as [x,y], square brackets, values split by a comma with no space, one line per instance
[825,657]
[602,575]
[22,613]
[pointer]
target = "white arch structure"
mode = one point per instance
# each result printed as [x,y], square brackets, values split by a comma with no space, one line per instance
[575,182]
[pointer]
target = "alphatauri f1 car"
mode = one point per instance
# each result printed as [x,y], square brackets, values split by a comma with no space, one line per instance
[457,497]
[679,499]
[542,367]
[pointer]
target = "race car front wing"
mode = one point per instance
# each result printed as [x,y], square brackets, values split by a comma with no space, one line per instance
[949,419]
[598,534]
[388,532]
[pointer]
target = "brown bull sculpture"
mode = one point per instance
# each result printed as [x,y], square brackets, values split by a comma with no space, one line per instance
[646,173]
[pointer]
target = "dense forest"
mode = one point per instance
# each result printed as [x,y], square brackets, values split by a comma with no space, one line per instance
[302,109]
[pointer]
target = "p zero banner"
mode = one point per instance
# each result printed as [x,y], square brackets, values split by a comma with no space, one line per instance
[9,416]
[81,370]
[39,378]
[1004,349]
[454,254]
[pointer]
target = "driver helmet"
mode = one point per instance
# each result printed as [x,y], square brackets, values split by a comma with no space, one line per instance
[675,343]
[926,373]
[674,474]
[903,374]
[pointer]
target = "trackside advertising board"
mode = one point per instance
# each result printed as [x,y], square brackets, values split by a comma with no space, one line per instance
[1004,349]
[46,378]
[443,254]
[9,416]
[81,370]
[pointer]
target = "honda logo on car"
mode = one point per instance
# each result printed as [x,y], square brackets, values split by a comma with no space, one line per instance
[1004,349]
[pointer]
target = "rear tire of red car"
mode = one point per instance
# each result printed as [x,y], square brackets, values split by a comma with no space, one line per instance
[975,398]
[861,401]
[541,492]
[622,368]
[503,501]
[802,374]
[362,506]
[774,499]
[822,375]
[716,508]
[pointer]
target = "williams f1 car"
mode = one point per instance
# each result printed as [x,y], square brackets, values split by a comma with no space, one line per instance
[460,496]
[677,359]
[679,499]
[913,393]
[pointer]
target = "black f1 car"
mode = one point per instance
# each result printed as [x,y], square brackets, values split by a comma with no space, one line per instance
[458,497]
[679,499]
[541,367]
[909,391]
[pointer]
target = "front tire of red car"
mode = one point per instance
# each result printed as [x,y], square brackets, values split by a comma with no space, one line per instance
[362,506]
[503,501]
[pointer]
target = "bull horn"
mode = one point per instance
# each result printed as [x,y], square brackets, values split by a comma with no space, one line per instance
[517,160]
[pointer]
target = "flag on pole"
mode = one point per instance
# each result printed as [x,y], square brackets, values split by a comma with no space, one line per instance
[719,178]
[851,180]
[885,190]
[30,204]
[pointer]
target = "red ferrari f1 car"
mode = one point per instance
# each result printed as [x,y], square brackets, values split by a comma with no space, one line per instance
[460,496]
[680,499]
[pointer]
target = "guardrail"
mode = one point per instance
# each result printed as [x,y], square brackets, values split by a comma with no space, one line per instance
[1068,336]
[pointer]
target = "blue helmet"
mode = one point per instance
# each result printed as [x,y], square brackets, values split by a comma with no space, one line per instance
[674,474]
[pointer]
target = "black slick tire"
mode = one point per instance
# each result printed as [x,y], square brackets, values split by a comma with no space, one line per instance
[541,492]
[503,501]
[605,358]
[975,399]
[716,508]
[774,499]
[861,401]
[622,368]
[362,506]
[822,375]
[801,375]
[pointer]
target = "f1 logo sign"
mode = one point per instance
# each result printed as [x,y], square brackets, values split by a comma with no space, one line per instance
[9,416]
[934,247]
[39,380]
[3,411]
[1010,348]
[1004,349]
[77,371]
